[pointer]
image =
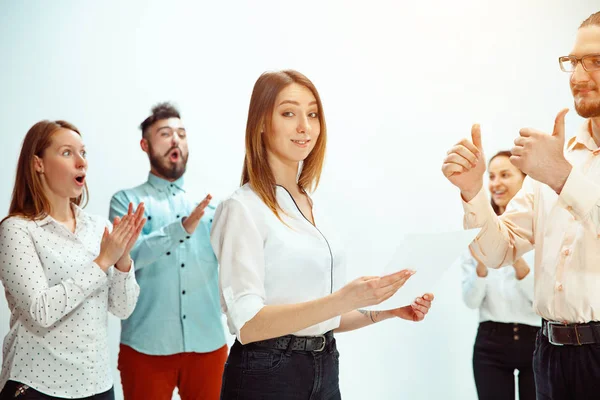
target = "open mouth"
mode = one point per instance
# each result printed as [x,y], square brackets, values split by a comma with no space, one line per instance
[175,155]
[80,180]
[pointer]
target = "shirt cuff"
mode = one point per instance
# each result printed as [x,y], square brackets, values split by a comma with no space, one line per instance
[579,194]
[90,279]
[118,275]
[177,231]
[478,284]
[242,309]
[477,211]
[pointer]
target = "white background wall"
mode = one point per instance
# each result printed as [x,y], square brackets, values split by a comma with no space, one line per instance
[401,81]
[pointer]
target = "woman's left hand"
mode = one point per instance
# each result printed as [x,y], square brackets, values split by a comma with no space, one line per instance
[416,311]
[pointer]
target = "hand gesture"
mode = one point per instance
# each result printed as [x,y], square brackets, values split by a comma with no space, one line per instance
[416,311]
[371,290]
[115,243]
[541,156]
[190,223]
[138,219]
[464,165]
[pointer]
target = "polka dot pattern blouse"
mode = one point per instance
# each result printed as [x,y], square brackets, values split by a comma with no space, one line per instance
[59,298]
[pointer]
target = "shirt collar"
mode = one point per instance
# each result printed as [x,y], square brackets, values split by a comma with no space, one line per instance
[80,216]
[163,184]
[584,138]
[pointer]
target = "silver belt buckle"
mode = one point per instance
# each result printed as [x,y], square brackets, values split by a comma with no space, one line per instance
[549,325]
[323,346]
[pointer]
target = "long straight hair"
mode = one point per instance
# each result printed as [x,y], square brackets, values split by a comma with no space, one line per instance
[256,169]
[28,197]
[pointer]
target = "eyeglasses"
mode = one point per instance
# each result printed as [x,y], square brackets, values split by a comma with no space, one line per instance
[590,62]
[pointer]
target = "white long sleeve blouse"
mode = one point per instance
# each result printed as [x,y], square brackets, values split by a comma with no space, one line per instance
[59,299]
[499,296]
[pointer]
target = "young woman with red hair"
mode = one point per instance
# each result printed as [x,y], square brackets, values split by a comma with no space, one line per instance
[281,268]
[63,270]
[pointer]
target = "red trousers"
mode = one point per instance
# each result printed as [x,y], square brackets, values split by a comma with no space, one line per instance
[196,375]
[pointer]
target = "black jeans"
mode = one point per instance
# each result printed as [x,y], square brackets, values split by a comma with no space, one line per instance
[15,390]
[254,372]
[566,372]
[501,348]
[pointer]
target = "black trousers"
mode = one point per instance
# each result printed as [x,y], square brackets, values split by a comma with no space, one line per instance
[253,372]
[17,391]
[566,372]
[499,349]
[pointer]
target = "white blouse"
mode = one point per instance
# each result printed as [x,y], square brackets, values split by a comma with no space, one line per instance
[499,296]
[59,298]
[264,261]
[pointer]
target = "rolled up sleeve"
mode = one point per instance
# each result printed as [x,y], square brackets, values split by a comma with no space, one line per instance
[239,248]
[502,239]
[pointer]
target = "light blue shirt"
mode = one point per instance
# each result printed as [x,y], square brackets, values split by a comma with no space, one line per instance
[178,309]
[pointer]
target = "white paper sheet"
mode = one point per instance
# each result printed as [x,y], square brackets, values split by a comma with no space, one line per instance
[428,254]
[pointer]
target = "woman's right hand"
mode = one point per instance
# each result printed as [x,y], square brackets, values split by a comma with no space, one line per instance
[115,243]
[372,290]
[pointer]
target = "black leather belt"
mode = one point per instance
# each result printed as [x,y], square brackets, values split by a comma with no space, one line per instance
[298,343]
[560,334]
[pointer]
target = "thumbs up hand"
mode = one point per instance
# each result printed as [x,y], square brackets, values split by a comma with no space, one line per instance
[464,165]
[541,156]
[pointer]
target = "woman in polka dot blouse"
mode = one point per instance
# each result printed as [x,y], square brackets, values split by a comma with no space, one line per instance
[62,270]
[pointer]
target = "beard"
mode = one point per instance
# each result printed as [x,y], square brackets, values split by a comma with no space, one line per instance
[166,168]
[585,107]
[588,109]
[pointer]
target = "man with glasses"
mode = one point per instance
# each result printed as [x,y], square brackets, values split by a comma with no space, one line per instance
[558,213]
[175,337]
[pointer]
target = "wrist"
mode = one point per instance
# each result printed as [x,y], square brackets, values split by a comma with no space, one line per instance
[560,177]
[337,303]
[102,263]
[188,225]
[378,316]
[124,263]
[469,194]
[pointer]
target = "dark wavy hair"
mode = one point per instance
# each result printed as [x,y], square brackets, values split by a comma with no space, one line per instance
[160,111]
